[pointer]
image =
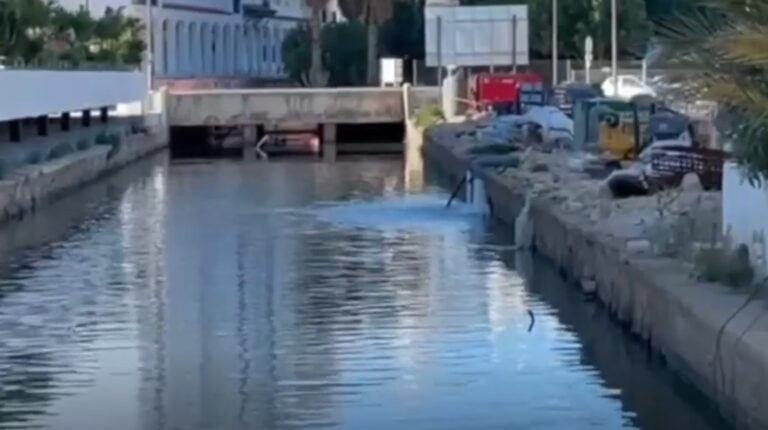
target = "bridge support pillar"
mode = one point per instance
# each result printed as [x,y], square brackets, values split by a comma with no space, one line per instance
[329,142]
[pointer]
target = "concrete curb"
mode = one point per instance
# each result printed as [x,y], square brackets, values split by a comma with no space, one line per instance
[26,188]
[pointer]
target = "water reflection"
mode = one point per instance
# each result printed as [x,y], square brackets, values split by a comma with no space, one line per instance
[302,295]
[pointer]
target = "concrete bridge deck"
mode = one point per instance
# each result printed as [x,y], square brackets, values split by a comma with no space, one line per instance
[367,105]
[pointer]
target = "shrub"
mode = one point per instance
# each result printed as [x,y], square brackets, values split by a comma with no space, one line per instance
[34,157]
[102,139]
[429,116]
[60,150]
[115,140]
[83,144]
[725,267]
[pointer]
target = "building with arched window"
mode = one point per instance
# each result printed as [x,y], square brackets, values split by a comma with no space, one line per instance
[209,39]
[218,38]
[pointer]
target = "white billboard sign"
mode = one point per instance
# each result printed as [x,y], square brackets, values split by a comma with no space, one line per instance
[476,35]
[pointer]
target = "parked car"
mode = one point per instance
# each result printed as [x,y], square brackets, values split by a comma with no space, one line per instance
[628,88]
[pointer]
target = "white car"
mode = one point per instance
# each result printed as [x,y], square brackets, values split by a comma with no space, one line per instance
[629,87]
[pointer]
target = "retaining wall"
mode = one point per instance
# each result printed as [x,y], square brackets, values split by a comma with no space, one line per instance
[689,323]
[28,187]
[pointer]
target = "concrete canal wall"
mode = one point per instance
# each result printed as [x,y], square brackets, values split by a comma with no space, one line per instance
[689,323]
[24,189]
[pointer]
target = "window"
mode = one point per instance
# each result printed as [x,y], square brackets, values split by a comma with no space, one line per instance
[324,16]
[631,81]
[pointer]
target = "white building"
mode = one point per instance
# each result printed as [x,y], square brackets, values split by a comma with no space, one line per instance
[211,39]
[222,38]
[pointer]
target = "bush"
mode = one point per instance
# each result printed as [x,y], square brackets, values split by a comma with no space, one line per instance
[429,116]
[115,141]
[725,267]
[102,139]
[344,53]
[60,150]
[83,144]
[34,157]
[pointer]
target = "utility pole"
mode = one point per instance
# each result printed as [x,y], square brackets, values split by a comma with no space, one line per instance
[614,49]
[554,43]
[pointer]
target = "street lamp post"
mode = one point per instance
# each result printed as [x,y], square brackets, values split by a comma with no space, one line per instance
[554,43]
[614,49]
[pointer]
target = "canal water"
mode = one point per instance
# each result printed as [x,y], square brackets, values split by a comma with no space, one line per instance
[303,295]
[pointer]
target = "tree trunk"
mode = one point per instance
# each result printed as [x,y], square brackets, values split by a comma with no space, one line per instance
[373,54]
[316,76]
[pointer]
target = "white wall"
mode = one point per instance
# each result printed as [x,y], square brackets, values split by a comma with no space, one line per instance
[28,93]
[745,214]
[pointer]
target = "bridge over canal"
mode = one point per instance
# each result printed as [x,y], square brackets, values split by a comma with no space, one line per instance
[325,112]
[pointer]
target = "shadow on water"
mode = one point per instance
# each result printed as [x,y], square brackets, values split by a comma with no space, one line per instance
[657,399]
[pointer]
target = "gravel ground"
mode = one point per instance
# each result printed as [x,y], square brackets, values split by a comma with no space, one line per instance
[670,222]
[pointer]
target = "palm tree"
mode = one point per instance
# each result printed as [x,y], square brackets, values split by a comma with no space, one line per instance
[722,47]
[372,13]
[317,75]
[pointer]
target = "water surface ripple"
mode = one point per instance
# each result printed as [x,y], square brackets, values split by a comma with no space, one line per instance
[302,296]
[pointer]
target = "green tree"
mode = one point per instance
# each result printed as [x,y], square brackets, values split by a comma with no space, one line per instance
[316,77]
[42,30]
[578,19]
[26,22]
[372,13]
[344,53]
[403,35]
[722,45]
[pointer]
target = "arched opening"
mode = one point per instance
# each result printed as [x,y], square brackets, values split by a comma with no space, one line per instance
[265,50]
[193,50]
[245,64]
[238,56]
[215,48]
[255,50]
[164,49]
[227,48]
[276,51]
[180,63]
[205,46]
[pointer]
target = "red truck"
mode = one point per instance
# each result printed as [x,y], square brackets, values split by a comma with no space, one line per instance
[506,93]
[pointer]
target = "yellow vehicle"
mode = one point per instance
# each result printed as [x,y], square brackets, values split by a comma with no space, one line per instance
[611,127]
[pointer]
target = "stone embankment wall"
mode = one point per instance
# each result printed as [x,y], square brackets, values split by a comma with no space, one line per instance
[691,324]
[26,188]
